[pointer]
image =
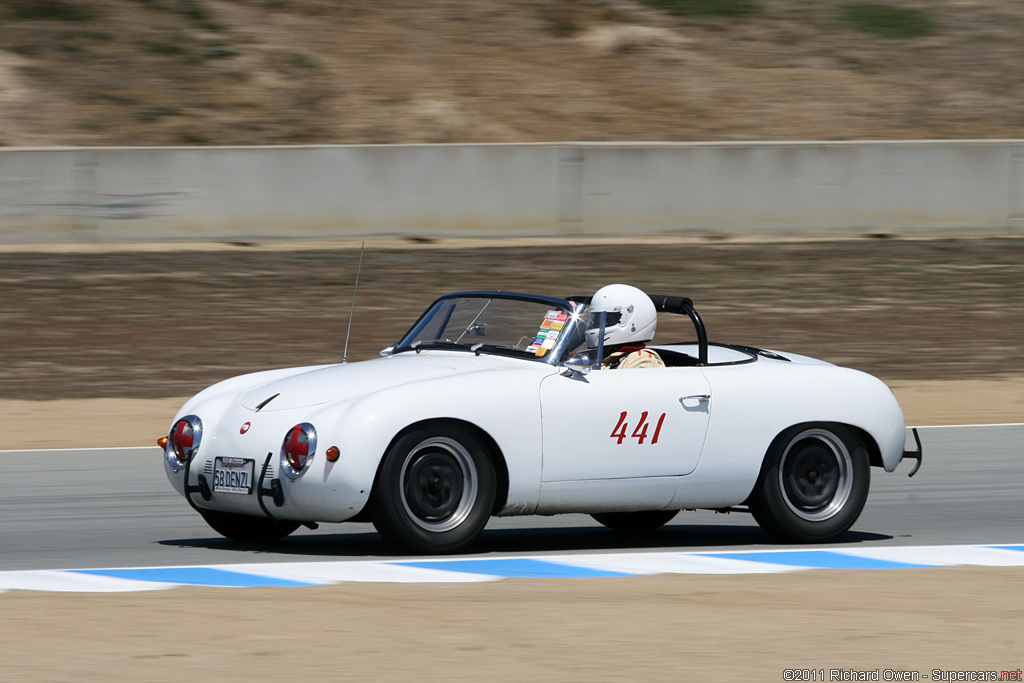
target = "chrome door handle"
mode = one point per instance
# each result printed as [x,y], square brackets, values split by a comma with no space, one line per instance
[699,398]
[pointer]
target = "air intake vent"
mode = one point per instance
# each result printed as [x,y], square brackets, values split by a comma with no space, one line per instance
[265,402]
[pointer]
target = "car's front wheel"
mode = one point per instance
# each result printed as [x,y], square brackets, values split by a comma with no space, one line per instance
[435,490]
[248,529]
[813,484]
[635,522]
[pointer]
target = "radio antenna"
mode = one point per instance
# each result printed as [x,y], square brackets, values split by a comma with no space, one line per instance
[352,308]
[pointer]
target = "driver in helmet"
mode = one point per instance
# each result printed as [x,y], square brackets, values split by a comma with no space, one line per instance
[630,320]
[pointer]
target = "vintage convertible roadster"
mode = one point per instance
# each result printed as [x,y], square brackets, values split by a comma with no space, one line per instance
[487,407]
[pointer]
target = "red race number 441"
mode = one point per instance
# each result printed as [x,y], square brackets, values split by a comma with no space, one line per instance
[621,431]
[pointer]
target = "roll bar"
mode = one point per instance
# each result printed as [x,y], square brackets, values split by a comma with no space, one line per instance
[683,305]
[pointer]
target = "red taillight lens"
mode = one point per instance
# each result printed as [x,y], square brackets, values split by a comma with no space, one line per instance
[182,439]
[298,448]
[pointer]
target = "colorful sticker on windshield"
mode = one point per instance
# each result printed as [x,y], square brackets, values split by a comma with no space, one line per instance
[547,335]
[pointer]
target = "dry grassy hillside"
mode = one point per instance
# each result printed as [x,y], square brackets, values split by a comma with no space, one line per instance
[171,72]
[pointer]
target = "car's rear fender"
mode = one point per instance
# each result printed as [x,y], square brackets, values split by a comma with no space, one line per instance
[752,404]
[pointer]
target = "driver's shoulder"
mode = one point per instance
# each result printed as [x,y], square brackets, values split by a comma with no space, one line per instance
[641,358]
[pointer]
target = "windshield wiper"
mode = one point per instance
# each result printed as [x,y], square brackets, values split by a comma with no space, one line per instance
[478,348]
[419,345]
[500,350]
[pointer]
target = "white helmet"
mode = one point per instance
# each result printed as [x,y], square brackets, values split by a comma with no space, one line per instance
[630,316]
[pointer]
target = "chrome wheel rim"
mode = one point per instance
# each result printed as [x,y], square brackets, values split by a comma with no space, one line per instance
[439,484]
[815,475]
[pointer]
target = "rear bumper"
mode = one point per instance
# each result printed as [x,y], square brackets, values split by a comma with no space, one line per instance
[915,454]
[315,496]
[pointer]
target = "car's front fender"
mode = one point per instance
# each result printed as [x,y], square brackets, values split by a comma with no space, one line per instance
[503,402]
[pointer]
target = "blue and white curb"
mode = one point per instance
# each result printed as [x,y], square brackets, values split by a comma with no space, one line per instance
[468,570]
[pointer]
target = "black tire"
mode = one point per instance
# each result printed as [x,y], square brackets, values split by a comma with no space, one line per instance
[635,522]
[248,529]
[435,490]
[813,484]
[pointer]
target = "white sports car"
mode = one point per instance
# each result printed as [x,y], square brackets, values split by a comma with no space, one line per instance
[482,409]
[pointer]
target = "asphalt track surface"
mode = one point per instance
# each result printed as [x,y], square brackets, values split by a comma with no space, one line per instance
[108,508]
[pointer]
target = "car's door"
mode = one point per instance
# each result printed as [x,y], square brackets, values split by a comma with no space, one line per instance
[612,424]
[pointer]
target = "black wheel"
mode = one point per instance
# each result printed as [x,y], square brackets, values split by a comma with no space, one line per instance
[248,529]
[435,490]
[637,522]
[813,484]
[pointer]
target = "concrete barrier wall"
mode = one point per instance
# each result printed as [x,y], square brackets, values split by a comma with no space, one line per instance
[238,194]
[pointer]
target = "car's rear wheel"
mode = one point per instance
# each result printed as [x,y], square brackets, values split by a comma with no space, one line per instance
[435,490]
[635,522]
[248,529]
[813,484]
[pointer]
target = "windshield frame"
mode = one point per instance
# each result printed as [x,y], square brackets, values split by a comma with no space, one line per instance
[575,309]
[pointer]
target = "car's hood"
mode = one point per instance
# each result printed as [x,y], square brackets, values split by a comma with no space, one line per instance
[339,382]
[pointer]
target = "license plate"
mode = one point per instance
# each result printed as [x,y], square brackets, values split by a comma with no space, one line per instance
[233,475]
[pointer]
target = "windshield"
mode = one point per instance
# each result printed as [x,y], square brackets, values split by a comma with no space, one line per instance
[503,324]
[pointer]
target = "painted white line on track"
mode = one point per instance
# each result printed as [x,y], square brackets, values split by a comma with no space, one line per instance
[35,451]
[994,424]
[56,581]
[323,573]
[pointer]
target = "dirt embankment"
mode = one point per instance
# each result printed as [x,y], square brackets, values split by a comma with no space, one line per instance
[195,72]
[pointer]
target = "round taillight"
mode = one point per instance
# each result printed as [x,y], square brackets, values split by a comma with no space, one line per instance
[298,449]
[183,437]
[183,441]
